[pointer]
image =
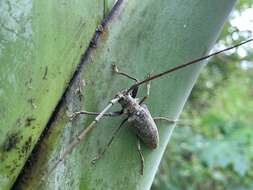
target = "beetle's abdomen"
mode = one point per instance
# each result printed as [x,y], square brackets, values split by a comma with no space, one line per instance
[144,126]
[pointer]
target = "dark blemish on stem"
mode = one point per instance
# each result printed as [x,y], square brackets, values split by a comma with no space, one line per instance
[29,121]
[26,147]
[99,30]
[45,74]
[11,141]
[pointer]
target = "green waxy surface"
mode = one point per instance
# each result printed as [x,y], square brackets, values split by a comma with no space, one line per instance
[143,37]
[40,47]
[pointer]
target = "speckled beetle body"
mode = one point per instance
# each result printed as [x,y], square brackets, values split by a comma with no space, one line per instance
[140,120]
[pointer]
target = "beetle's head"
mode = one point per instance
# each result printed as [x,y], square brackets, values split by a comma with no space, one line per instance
[128,103]
[125,100]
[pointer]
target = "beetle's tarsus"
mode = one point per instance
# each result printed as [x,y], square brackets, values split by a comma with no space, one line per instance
[115,69]
[141,156]
[165,119]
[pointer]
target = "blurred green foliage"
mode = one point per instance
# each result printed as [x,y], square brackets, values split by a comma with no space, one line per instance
[212,148]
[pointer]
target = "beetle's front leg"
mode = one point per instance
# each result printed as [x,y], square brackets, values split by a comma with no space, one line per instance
[116,70]
[73,115]
[148,91]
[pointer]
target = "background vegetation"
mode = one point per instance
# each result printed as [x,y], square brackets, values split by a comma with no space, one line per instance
[212,147]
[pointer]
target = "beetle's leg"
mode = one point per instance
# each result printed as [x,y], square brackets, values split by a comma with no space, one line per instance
[110,114]
[165,119]
[147,95]
[116,70]
[99,156]
[141,156]
[179,122]
[148,91]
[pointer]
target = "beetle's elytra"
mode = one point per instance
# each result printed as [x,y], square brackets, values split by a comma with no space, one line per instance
[140,120]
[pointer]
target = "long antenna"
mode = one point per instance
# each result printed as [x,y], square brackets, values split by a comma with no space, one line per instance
[185,65]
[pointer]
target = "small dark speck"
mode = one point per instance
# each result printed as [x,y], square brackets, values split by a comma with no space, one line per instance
[31,101]
[29,83]
[18,121]
[29,121]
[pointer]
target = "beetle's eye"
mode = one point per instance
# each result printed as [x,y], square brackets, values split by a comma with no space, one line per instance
[134,92]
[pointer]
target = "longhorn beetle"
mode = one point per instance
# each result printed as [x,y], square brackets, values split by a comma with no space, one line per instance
[138,115]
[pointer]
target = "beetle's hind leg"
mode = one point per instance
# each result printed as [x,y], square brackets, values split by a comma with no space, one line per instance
[115,133]
[141,155]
